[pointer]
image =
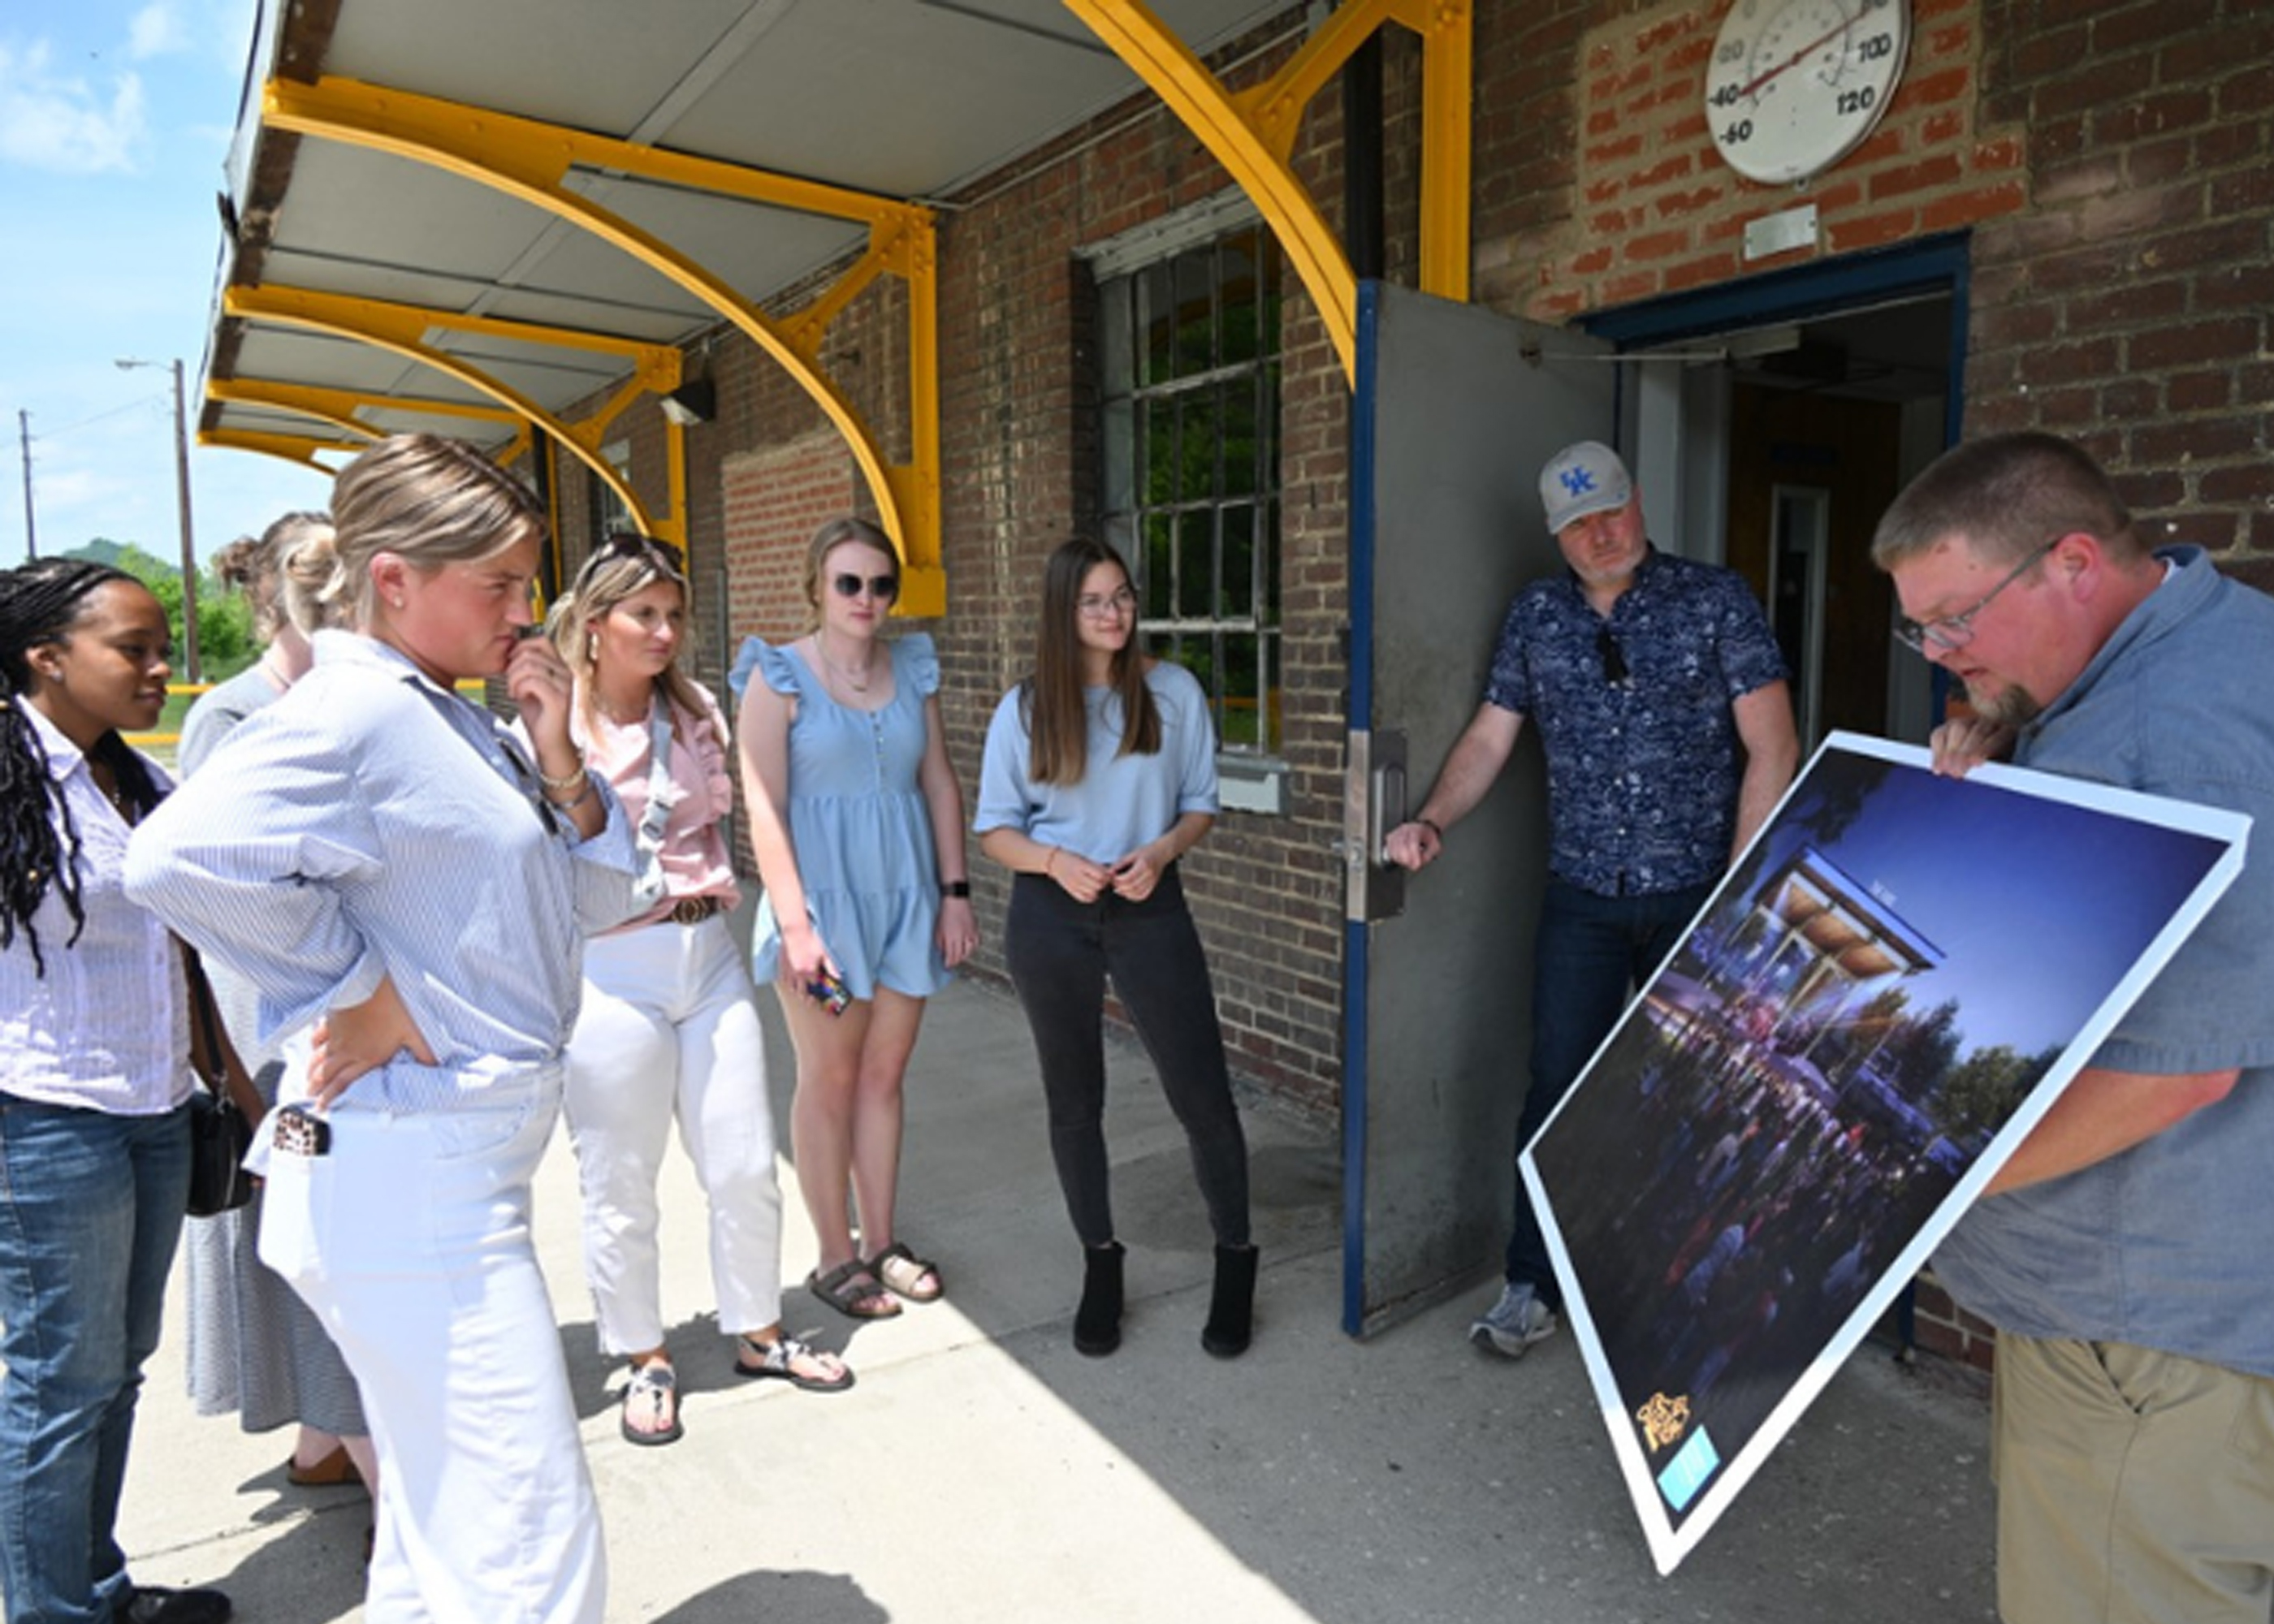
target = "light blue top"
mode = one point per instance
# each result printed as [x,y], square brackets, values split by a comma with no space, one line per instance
[2161,1246]
[858,822]
[373,823]
[1122,801]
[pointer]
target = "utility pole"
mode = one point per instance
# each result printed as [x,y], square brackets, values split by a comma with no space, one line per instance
[182,508]
[30,529]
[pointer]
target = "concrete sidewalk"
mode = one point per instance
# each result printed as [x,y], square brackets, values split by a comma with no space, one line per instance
[983,1470]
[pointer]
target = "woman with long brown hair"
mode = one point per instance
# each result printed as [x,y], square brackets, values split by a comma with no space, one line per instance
[1099,775]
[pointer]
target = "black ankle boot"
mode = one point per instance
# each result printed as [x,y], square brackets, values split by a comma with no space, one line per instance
[1231,1310]
[1097,1322]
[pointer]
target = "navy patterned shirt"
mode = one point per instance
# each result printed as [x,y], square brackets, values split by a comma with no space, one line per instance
[1642,773]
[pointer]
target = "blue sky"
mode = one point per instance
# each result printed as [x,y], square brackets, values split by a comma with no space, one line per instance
[114,127]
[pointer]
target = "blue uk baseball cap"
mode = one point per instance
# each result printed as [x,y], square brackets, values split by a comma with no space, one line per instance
[1583,479]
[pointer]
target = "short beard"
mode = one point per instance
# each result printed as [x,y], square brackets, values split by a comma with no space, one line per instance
[2010,706]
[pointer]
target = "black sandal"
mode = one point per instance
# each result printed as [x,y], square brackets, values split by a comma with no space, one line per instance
[777,1359]
[656,1384]
[853,1291]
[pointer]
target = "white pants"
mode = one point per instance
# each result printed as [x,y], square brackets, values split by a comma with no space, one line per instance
[411,1241]
[669,1030]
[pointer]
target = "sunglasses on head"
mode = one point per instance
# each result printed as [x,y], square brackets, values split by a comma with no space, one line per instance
[884,589]
[631,545]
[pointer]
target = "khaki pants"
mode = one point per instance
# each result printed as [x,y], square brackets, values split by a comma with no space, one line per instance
[2134,1486]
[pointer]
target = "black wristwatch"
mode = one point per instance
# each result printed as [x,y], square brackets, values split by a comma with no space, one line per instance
[955,888]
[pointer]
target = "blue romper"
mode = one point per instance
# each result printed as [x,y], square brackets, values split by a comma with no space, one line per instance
[858,822]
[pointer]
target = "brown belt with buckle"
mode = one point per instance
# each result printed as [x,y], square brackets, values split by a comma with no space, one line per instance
[691,910]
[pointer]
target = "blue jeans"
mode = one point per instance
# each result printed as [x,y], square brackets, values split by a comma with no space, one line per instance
[1590,955]
[90,1210]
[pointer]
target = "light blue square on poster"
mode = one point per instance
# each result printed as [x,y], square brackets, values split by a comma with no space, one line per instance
[1687,1472]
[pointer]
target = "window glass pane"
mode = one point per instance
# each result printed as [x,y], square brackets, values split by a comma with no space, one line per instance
[1242,719]
[1196,564]
[1270,681]
[1116,345]
[1195,312]
[1200,445]
[1242,450]
[1121,453]
[1162,475]
[1239,291]
[1267,520]
[1159,566]
[1239,598]
[1157,312]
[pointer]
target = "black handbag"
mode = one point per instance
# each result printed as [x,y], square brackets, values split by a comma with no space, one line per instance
[220,1133]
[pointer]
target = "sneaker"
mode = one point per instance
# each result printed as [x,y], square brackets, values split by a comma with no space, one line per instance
[1510,1326]
[155,1604]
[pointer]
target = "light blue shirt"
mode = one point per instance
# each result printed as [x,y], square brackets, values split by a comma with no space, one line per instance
[371,822]
[1122,801]
[2161,1246]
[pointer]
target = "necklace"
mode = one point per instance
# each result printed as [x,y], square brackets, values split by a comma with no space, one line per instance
[616,715]
[859,684]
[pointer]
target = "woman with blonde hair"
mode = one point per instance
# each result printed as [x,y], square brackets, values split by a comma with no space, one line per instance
[254,1347]
[403,874]
[856,821]
[669,1029]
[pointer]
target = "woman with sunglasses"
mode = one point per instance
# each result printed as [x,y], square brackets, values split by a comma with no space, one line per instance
[856,821]
[668,1030]
[410,878]
[1099,775]
[95,1135]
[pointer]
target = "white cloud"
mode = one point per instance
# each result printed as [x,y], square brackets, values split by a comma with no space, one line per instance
[158,29]
[48,121]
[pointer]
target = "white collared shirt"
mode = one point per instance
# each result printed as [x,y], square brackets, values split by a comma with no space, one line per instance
[106,1028]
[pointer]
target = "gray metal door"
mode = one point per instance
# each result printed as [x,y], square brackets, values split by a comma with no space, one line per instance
[1455,411]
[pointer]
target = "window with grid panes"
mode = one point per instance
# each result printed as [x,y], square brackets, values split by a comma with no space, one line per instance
[1189,352]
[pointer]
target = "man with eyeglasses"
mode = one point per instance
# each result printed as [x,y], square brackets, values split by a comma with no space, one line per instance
[1662,708]
[2122,1252]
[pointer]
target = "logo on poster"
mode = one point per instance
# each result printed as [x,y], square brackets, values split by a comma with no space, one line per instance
[1663,1420]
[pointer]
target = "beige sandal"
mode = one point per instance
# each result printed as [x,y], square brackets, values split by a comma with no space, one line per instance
[903,1272]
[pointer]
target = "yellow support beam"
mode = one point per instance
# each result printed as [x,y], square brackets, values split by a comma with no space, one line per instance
[1252,133]
[531,161]
[301,449]
[402,328]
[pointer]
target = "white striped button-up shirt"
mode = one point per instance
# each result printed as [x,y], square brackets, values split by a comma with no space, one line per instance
[371,822]
[105,1028]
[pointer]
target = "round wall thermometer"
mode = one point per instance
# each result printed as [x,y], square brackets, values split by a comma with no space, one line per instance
[1795,85]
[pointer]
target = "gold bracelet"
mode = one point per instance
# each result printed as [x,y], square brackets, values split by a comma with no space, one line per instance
[563,785]
[1049,863]
[580,780]
[581,797]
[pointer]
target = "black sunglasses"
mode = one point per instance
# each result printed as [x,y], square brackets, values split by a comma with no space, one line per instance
[884,589]
[630,544]
[1614,659]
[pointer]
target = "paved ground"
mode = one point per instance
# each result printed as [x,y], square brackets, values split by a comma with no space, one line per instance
[981,1471]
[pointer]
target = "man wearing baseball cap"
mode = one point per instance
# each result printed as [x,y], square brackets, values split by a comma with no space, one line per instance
[1661,699]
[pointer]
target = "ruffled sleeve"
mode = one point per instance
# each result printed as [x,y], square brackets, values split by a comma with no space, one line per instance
[770,662]
[919,661]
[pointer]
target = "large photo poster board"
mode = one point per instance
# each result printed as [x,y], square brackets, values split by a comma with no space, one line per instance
[1888,990]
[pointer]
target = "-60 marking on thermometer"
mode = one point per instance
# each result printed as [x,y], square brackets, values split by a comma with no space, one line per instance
[1796,84]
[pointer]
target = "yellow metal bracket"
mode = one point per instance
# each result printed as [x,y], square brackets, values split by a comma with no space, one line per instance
[1252,133]
[531,161]
[402,328]
[301,449]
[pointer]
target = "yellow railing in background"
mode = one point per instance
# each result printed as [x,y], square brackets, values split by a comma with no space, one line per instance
[165,741]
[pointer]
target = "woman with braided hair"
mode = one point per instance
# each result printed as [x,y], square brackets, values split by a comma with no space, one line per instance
[94,1145]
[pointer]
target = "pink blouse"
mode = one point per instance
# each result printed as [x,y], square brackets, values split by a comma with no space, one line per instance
[695,858]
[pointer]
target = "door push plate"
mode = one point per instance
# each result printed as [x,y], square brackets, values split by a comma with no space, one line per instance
[1374,803]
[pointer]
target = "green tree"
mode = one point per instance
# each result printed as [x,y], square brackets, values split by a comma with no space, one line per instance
[1984,1089]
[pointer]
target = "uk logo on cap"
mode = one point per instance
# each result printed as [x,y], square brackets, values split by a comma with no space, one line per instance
[1583,479]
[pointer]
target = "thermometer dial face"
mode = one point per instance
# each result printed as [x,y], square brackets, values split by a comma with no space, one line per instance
[1795,85]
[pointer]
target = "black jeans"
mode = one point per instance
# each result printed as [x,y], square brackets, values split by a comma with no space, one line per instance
[1060,953]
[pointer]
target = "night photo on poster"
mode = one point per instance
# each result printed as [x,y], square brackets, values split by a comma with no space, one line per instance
[1900,968]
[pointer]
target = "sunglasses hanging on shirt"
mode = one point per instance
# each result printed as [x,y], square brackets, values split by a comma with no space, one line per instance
[1614,659]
